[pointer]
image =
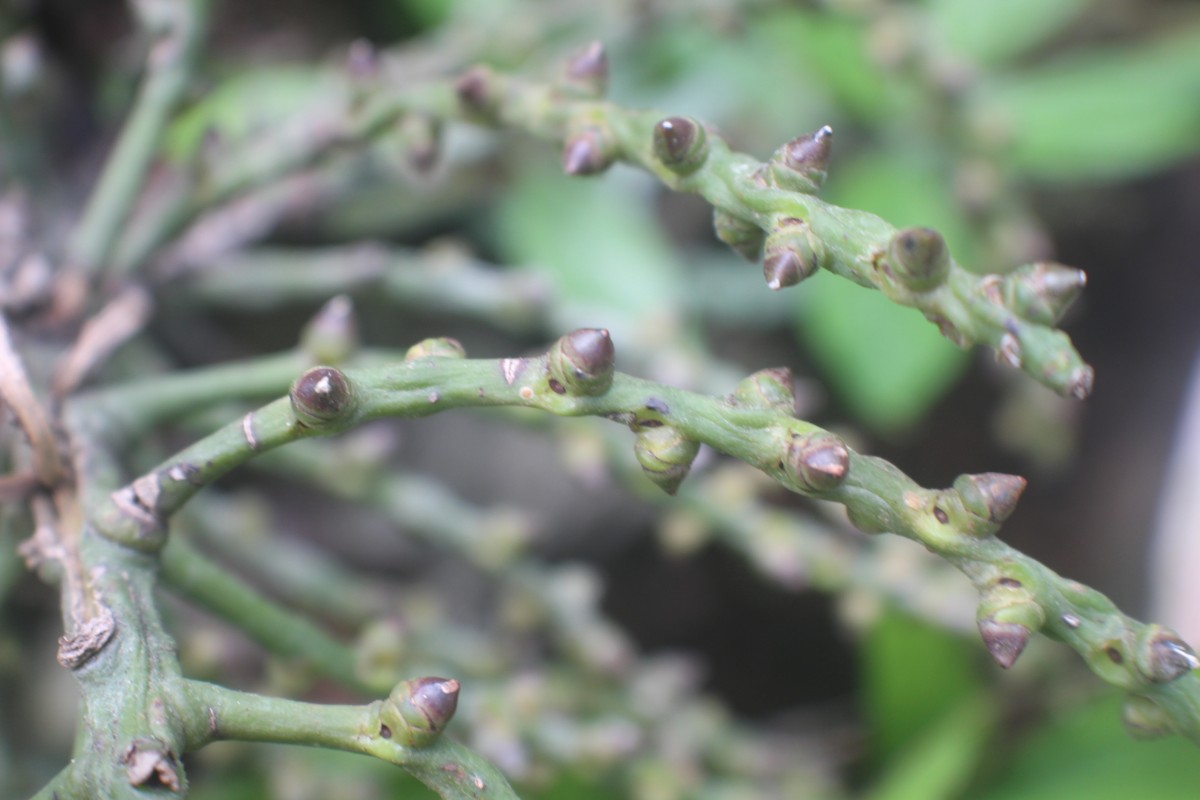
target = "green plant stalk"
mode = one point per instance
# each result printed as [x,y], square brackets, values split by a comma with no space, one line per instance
[285,633]
[447,767]
[877,494]
[169,68]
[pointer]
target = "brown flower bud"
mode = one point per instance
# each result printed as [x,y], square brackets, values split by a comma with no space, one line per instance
[801,164]
[1005,641]
[817,462]
[582,362]
[1007,616]
[1161,656]
[586,72]
[991,496]
[589,151]
[918,258]
[417,711]
[680,144]
[792,253]
[322,396]
[477,91]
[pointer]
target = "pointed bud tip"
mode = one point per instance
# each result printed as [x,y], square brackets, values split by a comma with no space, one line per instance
[584,154]
[1170,657]
[991,495]
[1005,641]
[680,144]
[321,395]
[589,67]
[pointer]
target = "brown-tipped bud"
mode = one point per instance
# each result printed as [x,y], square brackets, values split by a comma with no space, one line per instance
[331,336]
[588,151]
[744,237]
[586,73]
[1144,719]
[582,362]
[801,164]
[321,397]
[1005,641]
[817,462]
[991,496]
[1161,656]
[680,144]
[437,347]
[792,253]
[417,711]
[666,456]
[767,389]
[919,258]
[477,90]
[1042,292]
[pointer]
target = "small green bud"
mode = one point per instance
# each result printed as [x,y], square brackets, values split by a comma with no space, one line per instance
[817,462]
[767,389]
[321,396]
[791,254]
[589,151]
[666,456]
[437,347]
[991,496]
[1161,656]
[801,164]
[582,362]
[680,144]
[1144,719]
[1042,292]
[586,72]
[332,334]
[918,258]
[744,237]
[417,711]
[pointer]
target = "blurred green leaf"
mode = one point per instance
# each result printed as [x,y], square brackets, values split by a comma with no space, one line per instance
[1109,112]
[994,32]
[599,243]
[250,100]
[914,675]
[1087,754]
[573,786]
[887,361]
[941,762]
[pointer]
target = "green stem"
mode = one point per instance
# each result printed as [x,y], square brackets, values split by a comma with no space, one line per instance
[169,71]
[445,766]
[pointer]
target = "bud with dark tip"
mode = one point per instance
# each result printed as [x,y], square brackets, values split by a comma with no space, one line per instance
[665,455]
[437,347]
[417,711]
[1007,616]
[792,253]
[1005,641]
[1042,292]
[477,91]
[767,389]
[744,237]
[1144,719]
[586,73]
[991,496]
[801,164]
[582,362]
[680,144]
[588,151]
[1161,656]
[332,334]
[919,258]
[817,462]
[322,396]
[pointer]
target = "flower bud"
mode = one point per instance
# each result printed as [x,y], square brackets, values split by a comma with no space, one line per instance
[1161,656]
[918,258]
[582,362]
[417,711]
[792,253]
[745,238]
[1042,292]
[666,455]
[800,165]
[991,496]
[1144,719]
[680,144]
[477,91]
[322,396]
[817,462]
[586,72]
[1007,616]
[438,347]
[588,151]
[767,389]
[332,334]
